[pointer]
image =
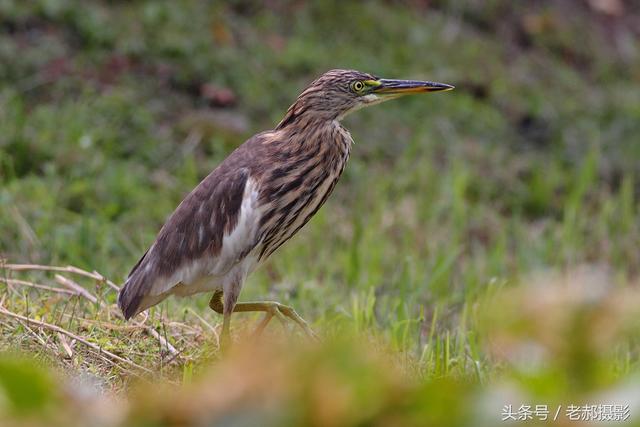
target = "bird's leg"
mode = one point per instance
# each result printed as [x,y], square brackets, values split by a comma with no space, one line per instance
[263,324]
[271,308]
[225,337]
[228,307]
[216,304]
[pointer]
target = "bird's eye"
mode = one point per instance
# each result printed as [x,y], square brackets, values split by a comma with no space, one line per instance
[357,86]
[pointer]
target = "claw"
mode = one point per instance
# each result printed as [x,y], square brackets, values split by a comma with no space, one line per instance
[291,314]
[271,308]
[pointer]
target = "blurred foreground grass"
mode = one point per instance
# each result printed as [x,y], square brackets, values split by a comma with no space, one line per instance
[555,341]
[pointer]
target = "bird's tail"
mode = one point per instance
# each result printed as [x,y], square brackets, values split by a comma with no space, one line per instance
[131,294]
[129,299]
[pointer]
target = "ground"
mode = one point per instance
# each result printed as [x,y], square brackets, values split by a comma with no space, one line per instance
[481,239]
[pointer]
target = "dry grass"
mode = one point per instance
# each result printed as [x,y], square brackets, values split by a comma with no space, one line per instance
[51,311]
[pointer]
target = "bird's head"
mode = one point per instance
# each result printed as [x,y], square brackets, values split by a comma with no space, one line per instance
[339,92]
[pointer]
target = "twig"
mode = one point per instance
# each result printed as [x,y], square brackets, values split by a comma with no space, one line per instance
[163,342]
[111,362]
[70,284]
[36,336]
[192,329]
[101,278]
[75,337]
[106,325]
[65,345]
[68,269]
[172,358]
[211,328]
[204,322]
[36,285]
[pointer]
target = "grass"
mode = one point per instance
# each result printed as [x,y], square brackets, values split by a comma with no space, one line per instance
[111,111]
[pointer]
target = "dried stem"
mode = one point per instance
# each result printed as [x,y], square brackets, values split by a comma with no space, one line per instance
[37,286]
[68,269]
[63,331]
[75,288]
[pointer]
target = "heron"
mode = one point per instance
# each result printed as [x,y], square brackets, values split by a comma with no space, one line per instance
[257,199]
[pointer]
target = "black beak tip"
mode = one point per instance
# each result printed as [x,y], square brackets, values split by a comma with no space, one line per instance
[444,87]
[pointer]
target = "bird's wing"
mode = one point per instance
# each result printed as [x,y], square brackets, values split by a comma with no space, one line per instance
[209,231]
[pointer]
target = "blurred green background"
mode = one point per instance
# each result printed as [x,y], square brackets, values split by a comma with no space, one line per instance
[111,111]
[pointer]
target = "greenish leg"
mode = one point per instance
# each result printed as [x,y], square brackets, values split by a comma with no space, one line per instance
[216,305]
[225,338]
[271,308]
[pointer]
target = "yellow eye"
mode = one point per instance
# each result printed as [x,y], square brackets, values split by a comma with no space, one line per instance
[357,86]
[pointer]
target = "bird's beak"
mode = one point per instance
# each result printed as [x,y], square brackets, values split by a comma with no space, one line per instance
[405,87]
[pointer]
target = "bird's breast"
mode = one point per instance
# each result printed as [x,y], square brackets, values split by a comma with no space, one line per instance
[295,193]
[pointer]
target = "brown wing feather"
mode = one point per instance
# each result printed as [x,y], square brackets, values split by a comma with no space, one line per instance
[194,230]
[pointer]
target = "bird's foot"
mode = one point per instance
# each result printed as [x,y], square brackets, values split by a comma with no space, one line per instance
[281,312]
[271,308]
